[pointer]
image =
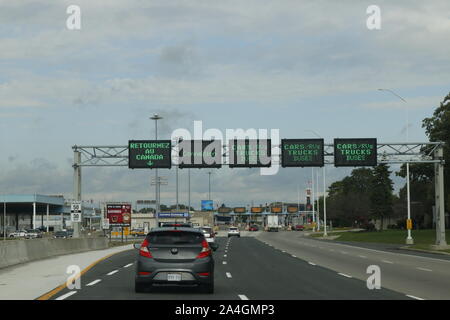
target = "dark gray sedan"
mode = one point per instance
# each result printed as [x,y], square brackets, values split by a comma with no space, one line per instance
[174,257]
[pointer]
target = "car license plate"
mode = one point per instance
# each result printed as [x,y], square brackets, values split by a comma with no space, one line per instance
[174,277]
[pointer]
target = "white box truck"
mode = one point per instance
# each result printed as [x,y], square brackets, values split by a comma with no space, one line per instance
[272,222]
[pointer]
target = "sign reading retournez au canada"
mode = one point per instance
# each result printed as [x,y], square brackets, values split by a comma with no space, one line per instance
[149,154]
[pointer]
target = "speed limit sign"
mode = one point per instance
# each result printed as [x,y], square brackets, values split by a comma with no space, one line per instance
[75,211]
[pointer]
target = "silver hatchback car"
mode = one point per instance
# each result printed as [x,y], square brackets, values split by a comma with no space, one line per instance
[172,256]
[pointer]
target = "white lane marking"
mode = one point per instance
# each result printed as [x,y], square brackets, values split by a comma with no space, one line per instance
[93,282]
[283,251]
[128,265]
[224,262]
[224,255]
[345,275]
[413,297]
[66,295]
[364,257]
[228,275]
[112,272]
[294,256]
[331,250]
[344,252]
[312,263]
[386,261]
[425,269]
[243,297]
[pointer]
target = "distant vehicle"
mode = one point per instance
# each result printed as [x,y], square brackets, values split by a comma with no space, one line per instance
[33,233]
[253,228]
[176,224]
[137,232]
[18,234]
[70,233]
[272,222]
[234,232]
[209,233]
[299,227]
[61,235]
[172,256]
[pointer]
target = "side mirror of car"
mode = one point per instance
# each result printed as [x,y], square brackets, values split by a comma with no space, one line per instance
[214,246]
[137,246]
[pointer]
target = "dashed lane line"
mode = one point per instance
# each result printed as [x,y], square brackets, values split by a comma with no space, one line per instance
[112,272]
[425,269]
[414,297]
[128,265]
[228,275]
[93,282]
[242,297]
[64,296]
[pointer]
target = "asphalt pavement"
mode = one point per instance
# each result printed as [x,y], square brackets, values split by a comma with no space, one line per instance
[245,269]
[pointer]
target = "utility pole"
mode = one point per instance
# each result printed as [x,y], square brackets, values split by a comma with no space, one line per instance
[156,117]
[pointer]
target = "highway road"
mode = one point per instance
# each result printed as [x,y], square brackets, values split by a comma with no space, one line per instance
[245,268]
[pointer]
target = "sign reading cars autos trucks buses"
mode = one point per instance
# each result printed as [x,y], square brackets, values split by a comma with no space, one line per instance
[119,214]
[355,152]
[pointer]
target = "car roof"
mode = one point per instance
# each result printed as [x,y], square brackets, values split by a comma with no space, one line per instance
[161,229]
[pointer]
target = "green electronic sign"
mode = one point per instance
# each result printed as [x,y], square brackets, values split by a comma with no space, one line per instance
[200,154]
[149,154]
[249,153]
[355,152]
[302,153]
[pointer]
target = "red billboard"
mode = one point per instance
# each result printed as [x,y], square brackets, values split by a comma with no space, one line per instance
[119,214]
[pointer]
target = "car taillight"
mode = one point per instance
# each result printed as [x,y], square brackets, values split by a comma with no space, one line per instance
[204,274]
[206,250]
[143,251]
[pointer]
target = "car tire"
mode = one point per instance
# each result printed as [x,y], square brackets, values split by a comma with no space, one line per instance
[208,288]
[138,287]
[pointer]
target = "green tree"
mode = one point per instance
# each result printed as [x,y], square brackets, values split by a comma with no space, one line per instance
[381,198]
[437,128]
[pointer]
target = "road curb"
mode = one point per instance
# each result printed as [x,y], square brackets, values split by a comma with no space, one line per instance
[426,251]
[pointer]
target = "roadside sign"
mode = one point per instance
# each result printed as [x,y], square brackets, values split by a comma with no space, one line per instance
[75,211]
[250,153]
[119,215]
[357,152]
[200,154]
[408,224]
[149,154]
[302,153]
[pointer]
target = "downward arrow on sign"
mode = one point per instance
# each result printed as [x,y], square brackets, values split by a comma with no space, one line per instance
[150,163]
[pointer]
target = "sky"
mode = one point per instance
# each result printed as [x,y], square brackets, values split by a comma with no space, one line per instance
[296,66]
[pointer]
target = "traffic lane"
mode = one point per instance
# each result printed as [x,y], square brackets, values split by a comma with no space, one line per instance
[120,284]
[262,272]
[412,277]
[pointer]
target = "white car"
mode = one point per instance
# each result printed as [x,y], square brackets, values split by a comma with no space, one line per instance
[18,234]
[209,234]
[234,231]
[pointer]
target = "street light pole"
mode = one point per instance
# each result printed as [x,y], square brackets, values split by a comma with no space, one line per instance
[209,183]
[156,117]
[324,194]
[409,239]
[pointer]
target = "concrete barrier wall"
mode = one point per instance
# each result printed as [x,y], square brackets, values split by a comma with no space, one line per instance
[20,251]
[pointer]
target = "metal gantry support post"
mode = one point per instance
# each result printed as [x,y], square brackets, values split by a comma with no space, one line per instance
[77,189]
[440,197]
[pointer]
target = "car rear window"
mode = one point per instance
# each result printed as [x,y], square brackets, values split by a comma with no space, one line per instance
[233,229]
[175,237]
